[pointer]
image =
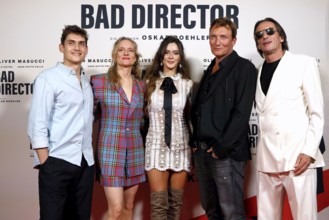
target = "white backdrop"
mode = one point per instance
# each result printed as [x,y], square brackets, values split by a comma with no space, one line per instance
[30,34]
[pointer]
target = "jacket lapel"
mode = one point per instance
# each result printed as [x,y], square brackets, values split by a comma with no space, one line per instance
[260,96]
[275,86]
[122,94]
[135,96]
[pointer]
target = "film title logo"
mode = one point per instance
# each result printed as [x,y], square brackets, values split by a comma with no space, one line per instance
[8,86]
[175,16]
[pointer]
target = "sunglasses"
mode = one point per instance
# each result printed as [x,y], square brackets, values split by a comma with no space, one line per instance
[269,31]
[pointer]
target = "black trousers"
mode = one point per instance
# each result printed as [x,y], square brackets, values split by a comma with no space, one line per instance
[65,190]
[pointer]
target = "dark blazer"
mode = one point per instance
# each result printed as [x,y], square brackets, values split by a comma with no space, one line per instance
[221,118]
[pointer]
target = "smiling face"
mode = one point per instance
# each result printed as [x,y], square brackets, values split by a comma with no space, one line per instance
[126,54]
[171,58]
[74,50]
[270,45]
[221,41]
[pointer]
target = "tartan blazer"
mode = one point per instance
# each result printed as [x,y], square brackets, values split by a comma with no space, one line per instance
[120,149]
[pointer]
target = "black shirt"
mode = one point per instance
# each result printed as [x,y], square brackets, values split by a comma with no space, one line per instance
[207,82]
[267,74]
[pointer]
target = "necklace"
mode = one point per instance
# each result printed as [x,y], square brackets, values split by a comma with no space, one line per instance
[164,75]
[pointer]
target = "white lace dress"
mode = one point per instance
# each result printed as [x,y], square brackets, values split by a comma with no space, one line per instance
[157,154]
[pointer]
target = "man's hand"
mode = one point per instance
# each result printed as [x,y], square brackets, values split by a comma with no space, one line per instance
[213,154]
[302,163]
[42,154]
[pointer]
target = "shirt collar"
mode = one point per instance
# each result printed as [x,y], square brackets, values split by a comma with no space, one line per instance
[226,60]
[174,77]
[69,70]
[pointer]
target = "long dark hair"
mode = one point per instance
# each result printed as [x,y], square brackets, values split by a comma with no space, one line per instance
[152,73]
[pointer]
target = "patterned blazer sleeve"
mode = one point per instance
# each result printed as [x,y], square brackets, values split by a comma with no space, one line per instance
[96,83]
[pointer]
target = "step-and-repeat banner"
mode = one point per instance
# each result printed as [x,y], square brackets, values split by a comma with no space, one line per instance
[29,39]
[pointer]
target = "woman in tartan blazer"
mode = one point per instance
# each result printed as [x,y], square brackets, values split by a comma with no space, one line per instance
[120,152]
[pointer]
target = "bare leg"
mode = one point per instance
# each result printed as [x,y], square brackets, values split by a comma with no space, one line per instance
[115,202]
[129,196]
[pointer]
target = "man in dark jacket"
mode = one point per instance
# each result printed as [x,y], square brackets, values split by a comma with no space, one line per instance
[220,117]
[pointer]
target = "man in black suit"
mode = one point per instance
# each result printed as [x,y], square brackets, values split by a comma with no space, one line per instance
[220,117]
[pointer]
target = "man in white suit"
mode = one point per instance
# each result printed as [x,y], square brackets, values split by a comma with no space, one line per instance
[289,105]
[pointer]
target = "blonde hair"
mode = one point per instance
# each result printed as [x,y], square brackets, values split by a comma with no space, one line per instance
[112,73]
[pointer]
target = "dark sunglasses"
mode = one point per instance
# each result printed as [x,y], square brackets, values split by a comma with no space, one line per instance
[260,34]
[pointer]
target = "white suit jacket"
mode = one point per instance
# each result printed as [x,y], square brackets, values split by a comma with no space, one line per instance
[290,115]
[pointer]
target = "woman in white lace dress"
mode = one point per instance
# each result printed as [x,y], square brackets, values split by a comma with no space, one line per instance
[167,153]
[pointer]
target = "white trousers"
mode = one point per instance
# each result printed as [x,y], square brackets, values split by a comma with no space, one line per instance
[301,192]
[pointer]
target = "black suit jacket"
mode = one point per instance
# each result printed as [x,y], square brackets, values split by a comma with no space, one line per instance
[221,117]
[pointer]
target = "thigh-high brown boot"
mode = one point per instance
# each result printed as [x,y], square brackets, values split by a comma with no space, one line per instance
[159,205]
[175,202]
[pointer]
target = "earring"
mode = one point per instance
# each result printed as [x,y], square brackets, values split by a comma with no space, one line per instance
[180,65]
[161,64]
